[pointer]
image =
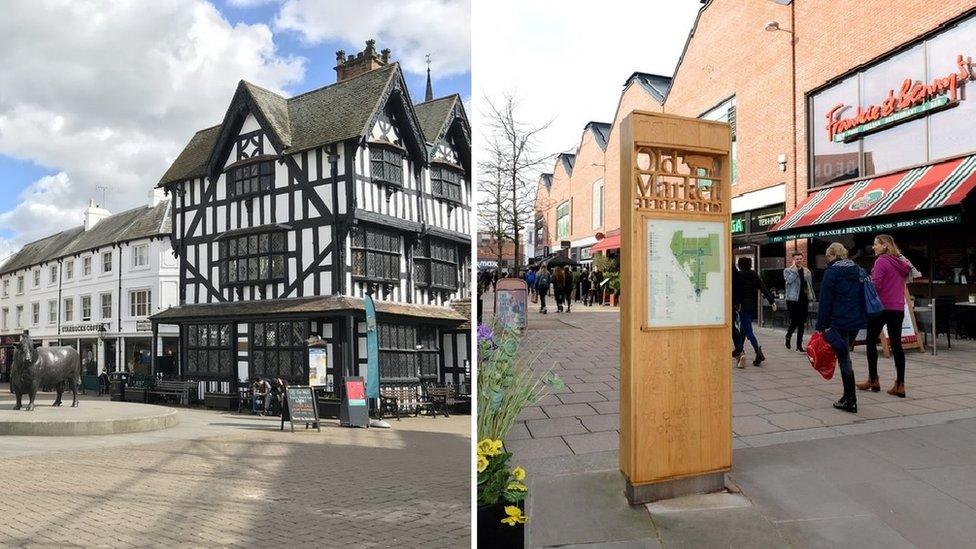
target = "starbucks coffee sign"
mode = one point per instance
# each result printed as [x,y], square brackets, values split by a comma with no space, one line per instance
[84,328]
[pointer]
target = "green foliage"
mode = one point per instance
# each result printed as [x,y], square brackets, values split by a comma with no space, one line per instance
[497,483]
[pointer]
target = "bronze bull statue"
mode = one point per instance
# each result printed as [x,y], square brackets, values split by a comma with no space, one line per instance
[35,367]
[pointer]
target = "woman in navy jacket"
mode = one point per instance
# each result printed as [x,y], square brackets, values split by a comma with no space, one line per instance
[842,312]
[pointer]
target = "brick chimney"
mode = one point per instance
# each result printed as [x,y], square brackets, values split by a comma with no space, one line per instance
[94,214]
[362,62]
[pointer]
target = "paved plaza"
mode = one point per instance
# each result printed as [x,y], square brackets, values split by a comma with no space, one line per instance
[228,480]
[897,474]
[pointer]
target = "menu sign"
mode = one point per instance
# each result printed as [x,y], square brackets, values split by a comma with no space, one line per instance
[301,407]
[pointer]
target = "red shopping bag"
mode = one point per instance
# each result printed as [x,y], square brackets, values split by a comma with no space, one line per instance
[822,356]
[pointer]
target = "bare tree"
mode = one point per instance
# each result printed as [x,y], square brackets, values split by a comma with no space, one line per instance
[509,172]
[491,220]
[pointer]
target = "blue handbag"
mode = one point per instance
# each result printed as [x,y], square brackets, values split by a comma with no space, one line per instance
[872,303]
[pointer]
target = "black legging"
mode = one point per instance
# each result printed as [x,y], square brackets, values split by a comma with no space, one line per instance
[893,320]
[542,299]
[799,310]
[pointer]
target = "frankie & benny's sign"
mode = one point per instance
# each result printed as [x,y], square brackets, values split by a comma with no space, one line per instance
[913,99]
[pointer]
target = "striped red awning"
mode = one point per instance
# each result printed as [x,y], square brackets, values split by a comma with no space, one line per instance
[925,188]
[610,242]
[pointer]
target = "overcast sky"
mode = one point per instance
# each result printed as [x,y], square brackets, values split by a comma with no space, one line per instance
[569,60]
[107,93]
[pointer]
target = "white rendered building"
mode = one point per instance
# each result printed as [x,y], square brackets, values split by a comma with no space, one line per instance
[93,287]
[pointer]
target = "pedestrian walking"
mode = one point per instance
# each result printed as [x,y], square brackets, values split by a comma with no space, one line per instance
[576,284]
[738,341]
[568,276]
[842,311]
[596,289]
[585,287]
[751,286]
[799,295]
[558,283]
[542,288]
[530,280]
[890,276]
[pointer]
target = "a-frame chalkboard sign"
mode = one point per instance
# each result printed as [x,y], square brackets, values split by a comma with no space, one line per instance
[300,407]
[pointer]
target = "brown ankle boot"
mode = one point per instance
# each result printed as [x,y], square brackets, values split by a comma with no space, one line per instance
[871,384]
[898,390]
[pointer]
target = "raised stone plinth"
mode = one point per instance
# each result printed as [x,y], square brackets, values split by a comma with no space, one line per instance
[92,417]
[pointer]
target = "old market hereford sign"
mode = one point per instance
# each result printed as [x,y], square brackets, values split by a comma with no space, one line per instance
[914,99]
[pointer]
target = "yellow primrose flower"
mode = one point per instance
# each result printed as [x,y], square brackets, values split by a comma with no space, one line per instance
[489,447]
[518,473]
[482,463]
[517,487]
[514,517]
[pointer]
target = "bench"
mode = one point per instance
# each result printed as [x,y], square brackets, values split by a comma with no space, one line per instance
[392,399]
[179,389]
[439,398]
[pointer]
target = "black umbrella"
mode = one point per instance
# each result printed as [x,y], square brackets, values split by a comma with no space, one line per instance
[562,261]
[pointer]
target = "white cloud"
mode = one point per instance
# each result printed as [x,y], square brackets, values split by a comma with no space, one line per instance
[570,60]
[250,3]
[109,93]
[410,28]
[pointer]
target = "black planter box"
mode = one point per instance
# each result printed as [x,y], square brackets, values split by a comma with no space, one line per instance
[492,532]
[328,408]
[135,394]
[222,401]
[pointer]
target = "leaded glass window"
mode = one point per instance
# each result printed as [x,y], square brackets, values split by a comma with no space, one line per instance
[209,350]
[279,350]
[253,259]
[375,254]
[435,264]
[250,179]
[386,164]
[445,182]
[408,353]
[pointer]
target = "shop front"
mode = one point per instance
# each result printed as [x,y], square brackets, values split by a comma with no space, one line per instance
[749,230]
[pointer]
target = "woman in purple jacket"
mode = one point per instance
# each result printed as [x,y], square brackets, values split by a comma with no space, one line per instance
[889,274]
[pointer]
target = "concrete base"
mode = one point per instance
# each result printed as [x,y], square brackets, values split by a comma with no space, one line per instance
[700,484]
[91,417]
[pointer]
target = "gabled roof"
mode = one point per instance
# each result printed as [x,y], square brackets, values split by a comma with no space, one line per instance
[655,84]
[340,111]
[434,116]
[568,160]
[601,133]
[134,224]
[546,179]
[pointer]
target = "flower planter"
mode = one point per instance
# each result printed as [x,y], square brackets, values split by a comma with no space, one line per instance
[492,532]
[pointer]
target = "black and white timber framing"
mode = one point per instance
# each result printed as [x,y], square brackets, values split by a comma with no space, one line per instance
[282,227]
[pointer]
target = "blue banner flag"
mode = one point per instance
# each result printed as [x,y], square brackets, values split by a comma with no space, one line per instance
[372,351]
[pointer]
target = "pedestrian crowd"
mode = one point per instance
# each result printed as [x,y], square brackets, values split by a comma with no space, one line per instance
[852,303]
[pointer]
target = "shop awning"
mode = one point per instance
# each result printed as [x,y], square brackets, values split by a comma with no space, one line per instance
[610,242]
[925,196]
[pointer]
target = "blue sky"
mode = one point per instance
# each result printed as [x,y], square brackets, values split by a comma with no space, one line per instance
[114,106]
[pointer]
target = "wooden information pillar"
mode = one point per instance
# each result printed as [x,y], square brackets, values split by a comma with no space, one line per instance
[675,310]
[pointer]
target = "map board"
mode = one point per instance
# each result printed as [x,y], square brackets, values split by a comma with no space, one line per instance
[686,264]
[318,363]
[301,407]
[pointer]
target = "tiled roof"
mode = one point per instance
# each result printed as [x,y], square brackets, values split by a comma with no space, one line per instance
[327,115]
[601,132]
[655,84]
[291,306]
[433,116]
[134,224]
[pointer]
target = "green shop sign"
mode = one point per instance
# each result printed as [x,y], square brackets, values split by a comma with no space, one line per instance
[878,226]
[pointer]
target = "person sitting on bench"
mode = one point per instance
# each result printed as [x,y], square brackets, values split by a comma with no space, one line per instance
[262,394]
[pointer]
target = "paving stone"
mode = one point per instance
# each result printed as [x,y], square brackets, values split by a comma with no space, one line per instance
[531,412]
[593,442]
[752,425]
[612,407]
[740,409]
[606,422]
[590,387]
[538,448]
[541,428]
[568,410]
[517,432]
[781,405]
[792,421]
[575,398]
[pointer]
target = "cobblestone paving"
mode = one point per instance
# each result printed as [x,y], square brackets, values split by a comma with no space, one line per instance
[781,401]
[404,487]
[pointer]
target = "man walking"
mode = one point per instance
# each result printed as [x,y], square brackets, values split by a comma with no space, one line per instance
[799,295]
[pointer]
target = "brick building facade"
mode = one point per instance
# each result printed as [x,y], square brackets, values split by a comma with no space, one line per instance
[767,67]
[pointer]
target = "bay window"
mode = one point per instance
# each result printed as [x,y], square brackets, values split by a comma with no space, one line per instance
[386,164]
[253,259]
[375,254]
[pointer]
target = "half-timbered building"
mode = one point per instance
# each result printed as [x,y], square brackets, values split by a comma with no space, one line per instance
[287,213]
